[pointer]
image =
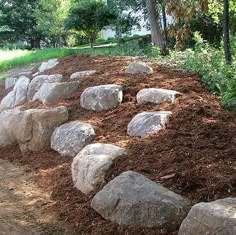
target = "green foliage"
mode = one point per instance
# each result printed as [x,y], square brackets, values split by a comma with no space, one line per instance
[202,23]
[17,17]
[218,76]
[90,16]
[229,97]
[50,17]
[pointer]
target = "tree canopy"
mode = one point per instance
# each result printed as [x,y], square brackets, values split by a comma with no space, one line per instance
[90,17]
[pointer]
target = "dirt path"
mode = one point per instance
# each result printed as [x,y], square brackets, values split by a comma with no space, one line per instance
[23,205]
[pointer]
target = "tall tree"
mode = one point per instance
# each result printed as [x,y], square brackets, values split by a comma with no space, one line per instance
[90,17]
[50,17]
[226,38]
[158,37]
[18,15]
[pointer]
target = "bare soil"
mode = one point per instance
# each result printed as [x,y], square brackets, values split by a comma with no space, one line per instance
[23,205]
[194,156]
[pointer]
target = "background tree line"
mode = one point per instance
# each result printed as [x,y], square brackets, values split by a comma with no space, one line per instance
[58,23]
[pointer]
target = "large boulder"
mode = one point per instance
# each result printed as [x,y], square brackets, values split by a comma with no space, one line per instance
[102,97]
[147,123]
[53,92]
[139,67]
[6,139]
[38,81]
[212,218]
[48,65]
[82,74]
[31,129]
[16,97]
[43,123]
[70,138]
[10,82]
[156,96]
[132,199]
[90,166]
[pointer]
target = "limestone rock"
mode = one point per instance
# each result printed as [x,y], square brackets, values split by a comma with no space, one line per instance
[147,123]
[48,65]
[38,81]
[102,97]
[212,218]
[90,166]
[139,67]
[156,96]
[10,82]
[52,92]
[82,74]
[44,122]
[132,199]
[16,97]
[70,138]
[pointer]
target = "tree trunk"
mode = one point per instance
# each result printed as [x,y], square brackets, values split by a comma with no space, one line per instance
[92,38]
[228,56]
[163,8]
[156,30]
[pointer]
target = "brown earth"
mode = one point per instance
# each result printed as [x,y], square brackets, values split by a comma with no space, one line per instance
[194,156]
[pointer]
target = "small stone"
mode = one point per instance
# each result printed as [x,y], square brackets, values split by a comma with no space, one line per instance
[156,96]
[147,123]
[48,65]
[99,98]
[132,199]
[139,67]
[211,218]
[70,138]
[82,74]
[90,166]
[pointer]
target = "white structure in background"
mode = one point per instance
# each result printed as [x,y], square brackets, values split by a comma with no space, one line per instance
[110,33]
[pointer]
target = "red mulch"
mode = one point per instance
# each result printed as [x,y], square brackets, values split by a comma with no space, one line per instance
[194,156]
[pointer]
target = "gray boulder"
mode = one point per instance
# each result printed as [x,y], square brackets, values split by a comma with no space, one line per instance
[156,96]
[31,129]
[147,123]
[10,82]
[38,81]
[6,139]
[40,124]
[53,92]
[82,74]
[90,166]
[212,218]
[72,137]
[102,97]
[132,199]
[48,65]
[16,97]
[139,67]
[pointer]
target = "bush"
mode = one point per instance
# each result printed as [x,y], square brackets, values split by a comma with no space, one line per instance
[217,76]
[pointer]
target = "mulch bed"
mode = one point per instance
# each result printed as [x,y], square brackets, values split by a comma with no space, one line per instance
[194,156]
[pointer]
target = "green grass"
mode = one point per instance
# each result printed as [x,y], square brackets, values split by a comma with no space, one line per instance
[11,59]
[15,58]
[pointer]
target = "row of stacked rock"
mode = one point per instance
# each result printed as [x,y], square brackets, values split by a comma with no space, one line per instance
[130,198]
